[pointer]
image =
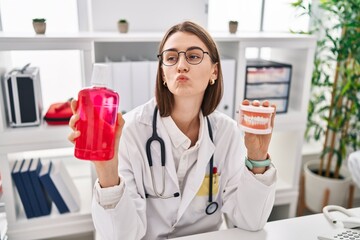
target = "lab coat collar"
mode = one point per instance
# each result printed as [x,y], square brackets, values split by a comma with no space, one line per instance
[177,137]
[146,114]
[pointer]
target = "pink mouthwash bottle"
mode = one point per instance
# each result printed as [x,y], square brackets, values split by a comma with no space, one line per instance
[97,107]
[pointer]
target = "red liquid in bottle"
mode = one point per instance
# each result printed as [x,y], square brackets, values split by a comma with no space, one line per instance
[97,107]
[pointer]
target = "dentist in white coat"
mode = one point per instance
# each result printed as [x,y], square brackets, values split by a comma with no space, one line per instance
[199,173]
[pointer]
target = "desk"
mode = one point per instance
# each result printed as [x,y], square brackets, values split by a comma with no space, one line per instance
[300,228]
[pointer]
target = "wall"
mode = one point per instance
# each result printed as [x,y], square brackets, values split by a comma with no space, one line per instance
[145,15]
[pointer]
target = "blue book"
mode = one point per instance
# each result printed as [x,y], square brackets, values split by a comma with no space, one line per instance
[40,193]
[50,187]
[24,173]
[16,176]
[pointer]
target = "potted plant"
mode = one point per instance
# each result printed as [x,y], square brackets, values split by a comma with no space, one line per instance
[233,25]
[39,25]
[334,107]
[123,26]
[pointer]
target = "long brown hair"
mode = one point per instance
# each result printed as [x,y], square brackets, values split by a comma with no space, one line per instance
[213,93]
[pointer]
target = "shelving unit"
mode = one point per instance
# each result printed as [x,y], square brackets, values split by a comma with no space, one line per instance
[288,135]
[285,148]
[17,143]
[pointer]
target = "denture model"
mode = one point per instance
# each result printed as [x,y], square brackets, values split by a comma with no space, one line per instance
[255,120]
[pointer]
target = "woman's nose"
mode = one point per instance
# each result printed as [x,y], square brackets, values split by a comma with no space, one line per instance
[182,64]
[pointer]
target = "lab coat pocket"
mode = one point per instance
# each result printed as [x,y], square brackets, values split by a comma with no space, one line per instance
[204,188]
[201,199]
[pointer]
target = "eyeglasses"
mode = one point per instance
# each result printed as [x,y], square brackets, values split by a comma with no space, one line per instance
[193,56]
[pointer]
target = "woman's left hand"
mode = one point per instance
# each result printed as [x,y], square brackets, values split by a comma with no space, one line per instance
[258,144]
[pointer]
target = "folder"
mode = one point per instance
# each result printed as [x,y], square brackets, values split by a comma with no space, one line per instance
[153,67]
[227,102]
[1,187]
[121,83]
[140,82]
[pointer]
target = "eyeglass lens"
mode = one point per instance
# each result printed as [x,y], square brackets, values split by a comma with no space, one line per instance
[192,56]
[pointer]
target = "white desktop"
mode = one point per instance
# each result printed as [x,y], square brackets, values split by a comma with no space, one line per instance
[299,228]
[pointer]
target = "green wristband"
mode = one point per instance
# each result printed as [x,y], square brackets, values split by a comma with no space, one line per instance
[257,163]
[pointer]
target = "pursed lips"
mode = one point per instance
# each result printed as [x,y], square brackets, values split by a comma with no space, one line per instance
[182,78]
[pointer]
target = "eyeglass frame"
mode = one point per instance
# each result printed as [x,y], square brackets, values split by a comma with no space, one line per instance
[160,56]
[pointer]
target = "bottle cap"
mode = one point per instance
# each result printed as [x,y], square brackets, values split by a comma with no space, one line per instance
[101,74]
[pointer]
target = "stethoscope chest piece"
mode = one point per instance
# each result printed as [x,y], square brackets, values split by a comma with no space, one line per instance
[211,208]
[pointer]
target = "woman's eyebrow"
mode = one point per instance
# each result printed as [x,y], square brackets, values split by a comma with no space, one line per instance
[194,47]
[170,49]
[189,48]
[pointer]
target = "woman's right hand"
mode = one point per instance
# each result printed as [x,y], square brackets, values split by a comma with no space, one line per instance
[107,171]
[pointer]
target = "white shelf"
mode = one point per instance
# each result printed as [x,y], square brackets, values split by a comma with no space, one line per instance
[13,41]
[65,224]
[111,36]
[34,138]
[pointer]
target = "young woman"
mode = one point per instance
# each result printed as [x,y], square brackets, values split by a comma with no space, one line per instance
[179,164]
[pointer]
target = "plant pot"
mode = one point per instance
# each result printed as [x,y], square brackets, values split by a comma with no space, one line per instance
[316,185]
[123,27]
[39,27]
[233,27]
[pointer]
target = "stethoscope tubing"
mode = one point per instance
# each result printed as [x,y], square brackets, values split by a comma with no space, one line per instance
[155,137]
[211,165]
[212,206]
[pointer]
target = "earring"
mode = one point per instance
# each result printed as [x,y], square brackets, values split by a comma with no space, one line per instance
[212,81]
[164,83]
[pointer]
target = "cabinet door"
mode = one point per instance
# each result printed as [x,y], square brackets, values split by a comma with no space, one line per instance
[227,103]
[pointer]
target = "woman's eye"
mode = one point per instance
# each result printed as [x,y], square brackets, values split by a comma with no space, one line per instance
[193,56]
[171,59]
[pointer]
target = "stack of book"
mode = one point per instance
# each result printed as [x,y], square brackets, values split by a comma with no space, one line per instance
[39,183]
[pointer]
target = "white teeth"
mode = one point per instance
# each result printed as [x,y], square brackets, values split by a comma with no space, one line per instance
[255,120]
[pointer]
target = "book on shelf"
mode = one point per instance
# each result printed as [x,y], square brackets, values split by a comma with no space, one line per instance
[46,180]
[41,182]
[16,176]
[65,185]
[42,196]
[29,188]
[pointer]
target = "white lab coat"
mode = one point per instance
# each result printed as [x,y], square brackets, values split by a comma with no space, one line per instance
[245,200]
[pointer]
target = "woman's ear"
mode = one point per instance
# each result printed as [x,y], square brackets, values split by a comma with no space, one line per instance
[162,72]
[215,70]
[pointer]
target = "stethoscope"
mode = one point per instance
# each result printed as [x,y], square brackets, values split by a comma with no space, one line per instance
[212,206]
